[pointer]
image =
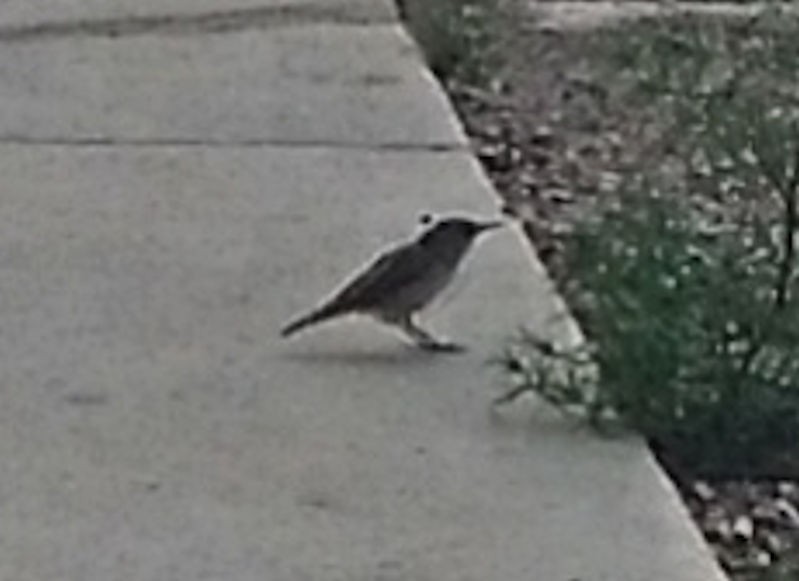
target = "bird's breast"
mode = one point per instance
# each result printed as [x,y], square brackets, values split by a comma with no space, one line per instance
[419,292]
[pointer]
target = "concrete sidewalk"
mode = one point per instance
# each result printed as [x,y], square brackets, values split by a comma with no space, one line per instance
[171,194]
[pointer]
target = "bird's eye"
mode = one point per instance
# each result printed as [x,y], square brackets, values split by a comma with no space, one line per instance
[425,219]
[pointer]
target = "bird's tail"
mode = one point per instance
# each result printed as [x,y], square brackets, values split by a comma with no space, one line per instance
[313,318]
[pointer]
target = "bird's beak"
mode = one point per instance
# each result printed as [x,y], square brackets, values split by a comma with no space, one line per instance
[486,226]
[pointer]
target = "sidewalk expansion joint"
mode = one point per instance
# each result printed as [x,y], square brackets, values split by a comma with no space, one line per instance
[101,142]
[219,22]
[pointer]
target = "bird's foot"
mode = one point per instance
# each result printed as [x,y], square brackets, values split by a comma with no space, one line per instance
[442,347]
[426,340]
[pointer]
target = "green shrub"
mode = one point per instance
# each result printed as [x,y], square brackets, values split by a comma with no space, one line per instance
[459,38]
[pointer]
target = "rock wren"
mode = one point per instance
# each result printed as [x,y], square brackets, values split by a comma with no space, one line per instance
[402,281]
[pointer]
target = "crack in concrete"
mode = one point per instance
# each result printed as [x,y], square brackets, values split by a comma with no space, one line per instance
[101,142]
[354,13]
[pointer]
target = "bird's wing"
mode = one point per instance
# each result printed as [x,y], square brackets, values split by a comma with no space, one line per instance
[390,271]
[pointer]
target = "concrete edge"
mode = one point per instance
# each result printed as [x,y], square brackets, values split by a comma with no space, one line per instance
[576,337]
[579,15]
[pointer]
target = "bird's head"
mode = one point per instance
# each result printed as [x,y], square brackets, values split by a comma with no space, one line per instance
[456,232]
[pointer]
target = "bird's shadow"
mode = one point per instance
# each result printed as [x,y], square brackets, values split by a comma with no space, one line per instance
[382,357]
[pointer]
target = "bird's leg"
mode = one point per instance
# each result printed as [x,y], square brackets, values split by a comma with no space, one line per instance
[424,339]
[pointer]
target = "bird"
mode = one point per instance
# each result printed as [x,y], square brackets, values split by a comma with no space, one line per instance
[402,281]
